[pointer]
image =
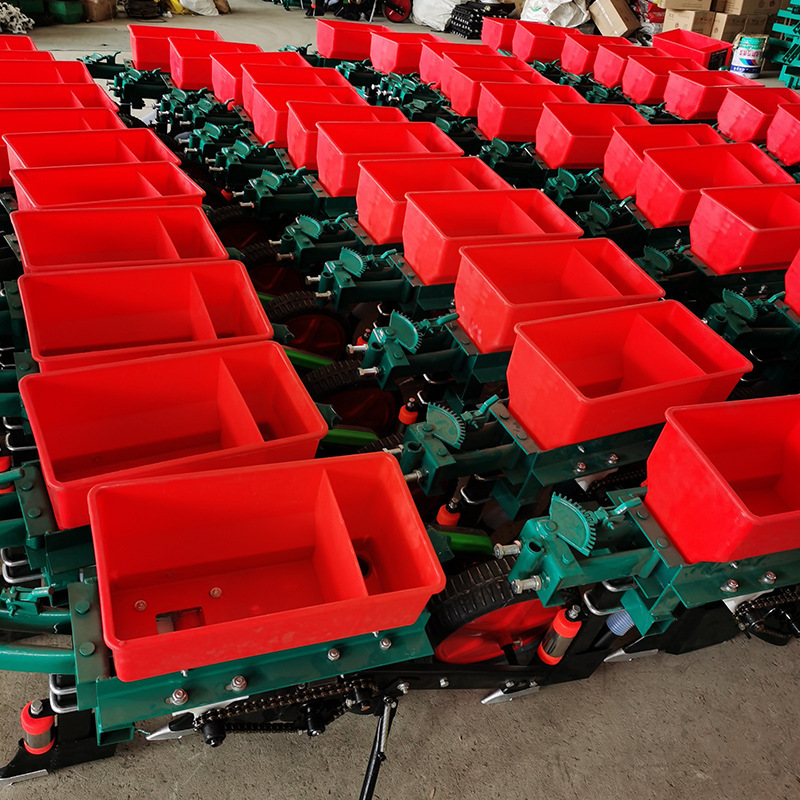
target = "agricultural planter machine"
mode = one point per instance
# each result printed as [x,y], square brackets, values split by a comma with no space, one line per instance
[455,342]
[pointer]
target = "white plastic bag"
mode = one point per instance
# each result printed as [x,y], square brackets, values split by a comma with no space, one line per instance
[205,8]
[563,13]
[433,13]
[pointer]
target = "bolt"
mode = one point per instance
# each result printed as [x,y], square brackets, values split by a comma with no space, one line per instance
[612,459]
[82,607]
[352,349]
[403,687]
[769,578]
[730,586]
[140,605]
[534,583]
[37,707]
[34,512]
[180,697]
[26,486]
[503,550]
[662,542]
[642,514]
[363,372]
[238,683]
[580,467]
[443,683]
[510,684]
[216,593]
[385,643]
[333,654]
[734,565]
[86,649]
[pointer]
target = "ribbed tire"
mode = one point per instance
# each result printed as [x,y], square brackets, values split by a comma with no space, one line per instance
[478,610]
[316,329]
[358,399]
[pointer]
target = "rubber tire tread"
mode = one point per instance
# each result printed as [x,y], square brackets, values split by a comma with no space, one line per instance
[470,594]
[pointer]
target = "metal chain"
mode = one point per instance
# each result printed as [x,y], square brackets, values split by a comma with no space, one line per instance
[777,598]
[284,700]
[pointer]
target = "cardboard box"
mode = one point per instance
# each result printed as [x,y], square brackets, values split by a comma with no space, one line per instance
[748,7]
[687,5]
[99,10]
[613,17]
[727,26]
[697,21]
[758,23]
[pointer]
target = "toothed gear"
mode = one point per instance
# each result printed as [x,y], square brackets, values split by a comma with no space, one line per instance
[405,331]
[740,306]
[574,524]
[448,427]
[310,225]
[353,262]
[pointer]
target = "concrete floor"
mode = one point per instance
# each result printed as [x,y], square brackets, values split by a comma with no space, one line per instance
[720,723]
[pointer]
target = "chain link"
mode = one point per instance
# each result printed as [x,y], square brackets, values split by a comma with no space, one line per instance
[286,699]
[773,599]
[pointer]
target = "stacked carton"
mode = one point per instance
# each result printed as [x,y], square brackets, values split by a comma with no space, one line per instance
[721,19]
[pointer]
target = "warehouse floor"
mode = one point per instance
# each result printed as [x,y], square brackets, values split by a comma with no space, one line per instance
[720,723]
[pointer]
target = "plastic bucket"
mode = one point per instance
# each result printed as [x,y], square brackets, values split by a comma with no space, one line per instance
[383,185]
[228,407]
[338,575]
[575,136]
[270,109]
[623,159]
[721,495]
[746,113]
[192,306]
[80,239]
[86,147]
[226,70]
[749,228]
[341,146]
[645,77]
[586,376]
[511,111]
[255,74]
[151,183]
[439,224]
[499,286]
[302,120]
[669,184]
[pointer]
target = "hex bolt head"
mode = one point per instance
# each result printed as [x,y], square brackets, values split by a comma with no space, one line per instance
[140,605]
[769,578]
[510,684]
[36,707]
[403,687]
[533,584]
[385,643]
[333,654]
[730,586]
[580,467]
[443,683]
[216,593]
[179,697]
[612,459]
[238,683]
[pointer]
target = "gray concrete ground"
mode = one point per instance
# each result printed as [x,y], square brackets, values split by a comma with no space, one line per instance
[720,723]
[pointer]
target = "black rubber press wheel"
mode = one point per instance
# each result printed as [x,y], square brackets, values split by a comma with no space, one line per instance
[357,399]
[315,329]
[478,615]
